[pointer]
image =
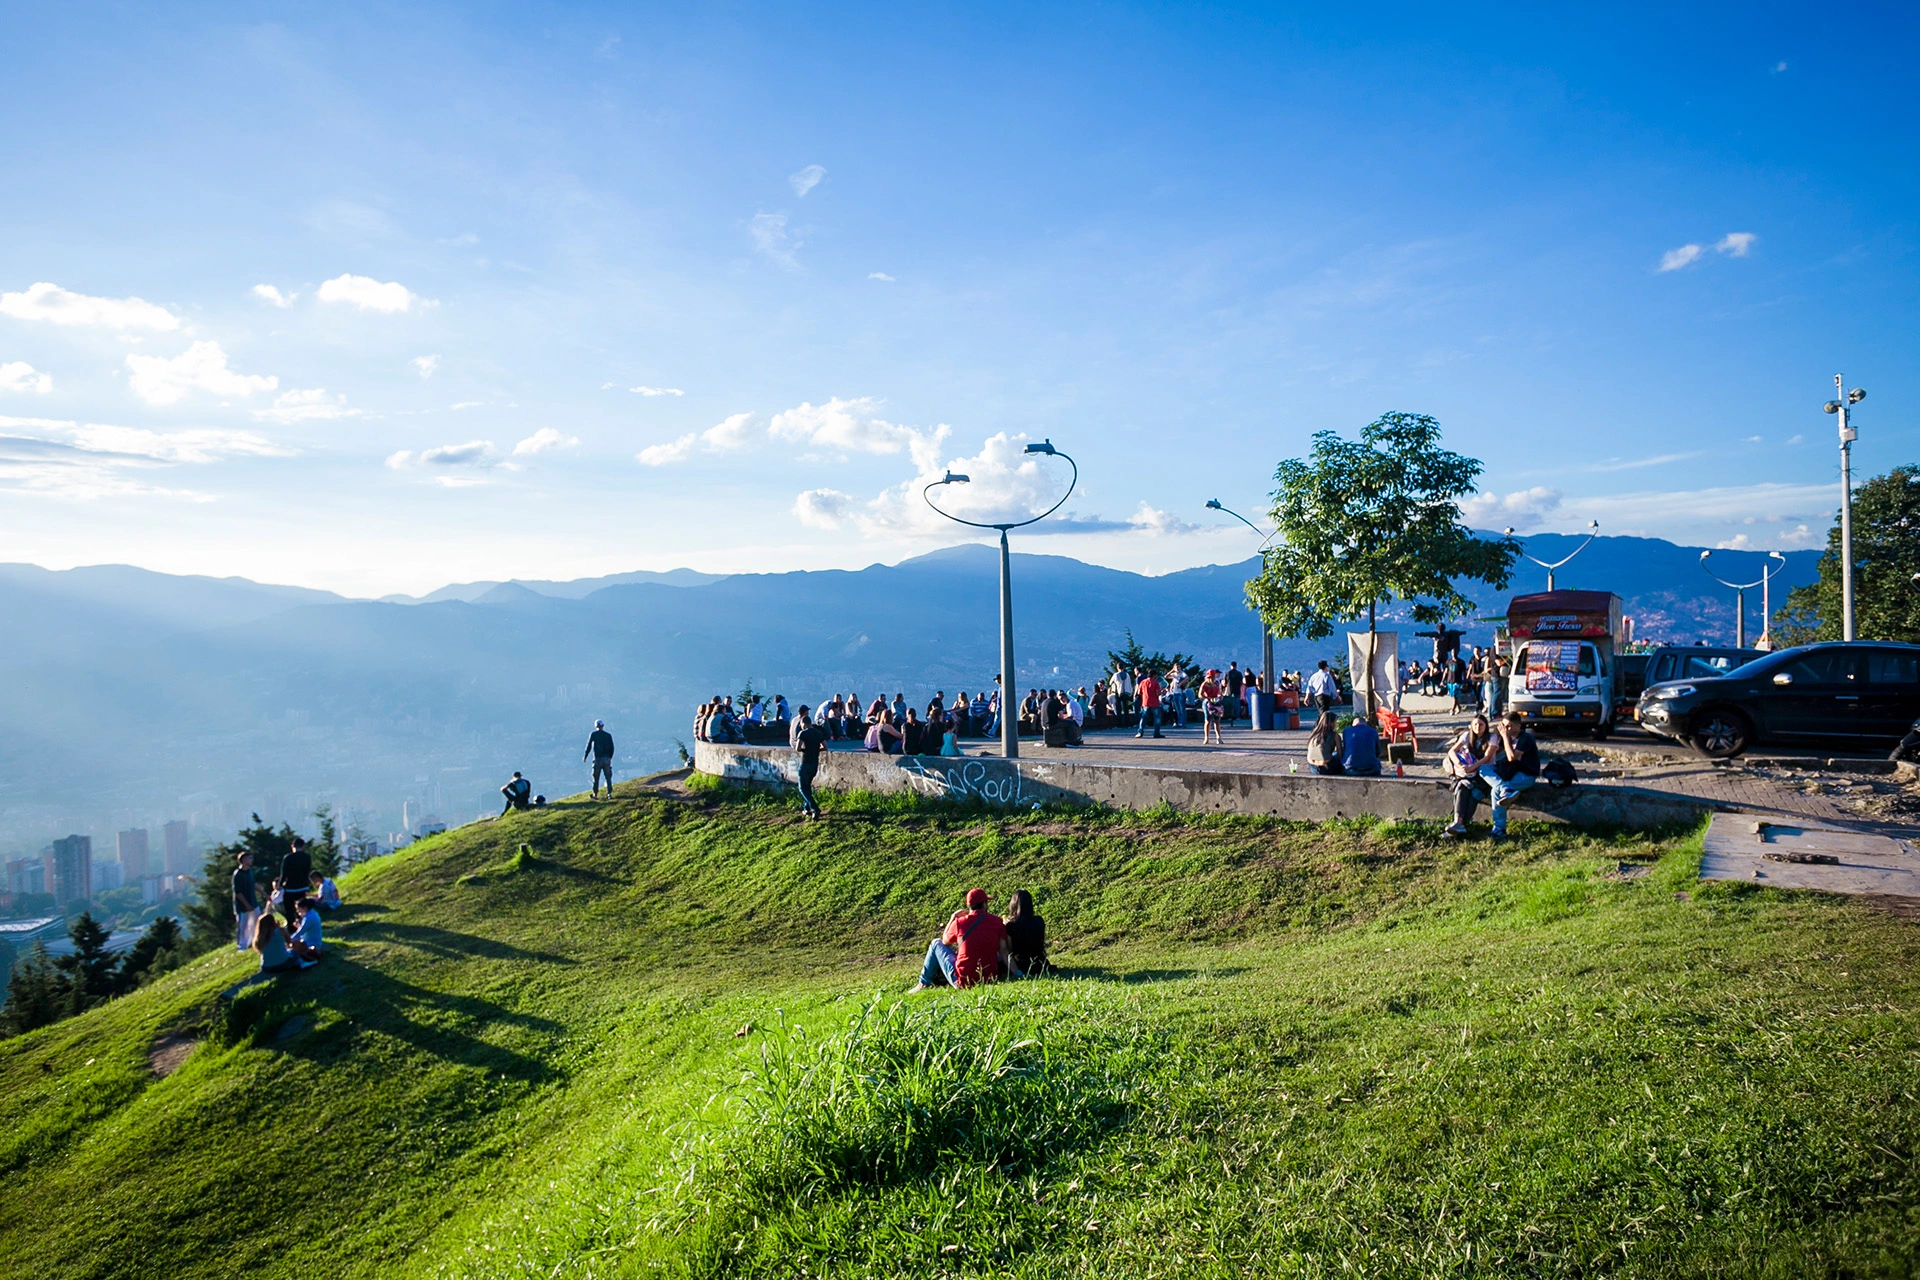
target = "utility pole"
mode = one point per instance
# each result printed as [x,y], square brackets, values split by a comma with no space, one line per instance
[1842,401]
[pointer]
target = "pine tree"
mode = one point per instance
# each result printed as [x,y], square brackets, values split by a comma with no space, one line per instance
[36,994]
[209,912]
[89,968]
[160,948]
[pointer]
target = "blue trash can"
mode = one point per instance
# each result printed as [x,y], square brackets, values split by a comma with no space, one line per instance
[1262,707]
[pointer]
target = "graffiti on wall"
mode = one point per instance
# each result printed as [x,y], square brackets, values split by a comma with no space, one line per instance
[992,780]
[769,769]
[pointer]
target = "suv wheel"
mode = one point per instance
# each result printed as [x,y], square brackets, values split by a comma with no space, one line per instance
[1719,732]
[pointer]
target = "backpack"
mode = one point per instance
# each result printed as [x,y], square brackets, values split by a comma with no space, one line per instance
[1558,773]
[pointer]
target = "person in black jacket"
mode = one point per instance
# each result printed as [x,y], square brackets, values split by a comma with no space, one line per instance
[1026,938]
[600,747]
[294,870]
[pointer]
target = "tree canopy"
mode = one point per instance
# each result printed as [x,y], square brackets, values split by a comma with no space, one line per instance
[1886,555]
[1135,657]
[1362,523]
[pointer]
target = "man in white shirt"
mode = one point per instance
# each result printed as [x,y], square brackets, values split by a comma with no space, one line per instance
[1177,694]
[1322,689]
[305,941]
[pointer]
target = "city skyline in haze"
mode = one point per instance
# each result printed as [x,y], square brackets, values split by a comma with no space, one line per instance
[378,305]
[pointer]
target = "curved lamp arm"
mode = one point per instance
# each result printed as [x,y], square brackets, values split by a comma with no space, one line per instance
[1742,586]
[1213,504]
[1593,531]
[1044,447]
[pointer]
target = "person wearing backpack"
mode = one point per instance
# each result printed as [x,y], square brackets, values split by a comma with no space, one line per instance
[970,950]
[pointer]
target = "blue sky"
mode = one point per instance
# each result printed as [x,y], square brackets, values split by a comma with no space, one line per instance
[403,268]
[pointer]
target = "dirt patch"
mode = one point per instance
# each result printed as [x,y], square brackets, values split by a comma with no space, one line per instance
[1894,905]
[169,1051]
[671,785]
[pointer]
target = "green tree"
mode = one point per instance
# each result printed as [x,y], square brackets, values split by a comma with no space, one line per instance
[1135,657]
[1886,555]
[1364,523]
[36,994]
[209,911]
[160,948]
[89,968]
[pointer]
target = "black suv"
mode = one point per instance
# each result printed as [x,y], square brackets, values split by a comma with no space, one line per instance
[1846,694]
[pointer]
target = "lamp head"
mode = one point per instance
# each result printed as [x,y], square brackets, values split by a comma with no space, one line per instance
[1045,446]
[1213,504]
[952,478]
[1593,526]
[1508,531]
[1856,395]
[1833,406]
[1705,554]
[1777,556]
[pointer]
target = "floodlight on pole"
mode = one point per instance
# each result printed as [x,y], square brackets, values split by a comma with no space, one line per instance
[1847,437]
[1593,531]
[1009,719]
[1266,633]
[1740,590]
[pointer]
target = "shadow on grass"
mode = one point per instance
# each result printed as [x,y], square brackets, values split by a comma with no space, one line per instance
[449,944]
[433,1022]
[1098,973]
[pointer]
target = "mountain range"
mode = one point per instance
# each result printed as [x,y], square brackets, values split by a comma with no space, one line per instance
[140,697]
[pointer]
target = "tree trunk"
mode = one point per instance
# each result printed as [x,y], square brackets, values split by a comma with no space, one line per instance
[1372,641]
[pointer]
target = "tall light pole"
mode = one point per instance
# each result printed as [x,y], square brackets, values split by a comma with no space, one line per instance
[1009,714]
[1593,531]
[1266,634]
[1740,590]
[1846,399]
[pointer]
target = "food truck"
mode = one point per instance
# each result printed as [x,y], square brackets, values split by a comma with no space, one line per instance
[1565,665]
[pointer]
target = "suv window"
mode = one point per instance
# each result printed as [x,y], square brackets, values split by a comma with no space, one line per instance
[1662,670]
[1824,666]
[1705,665]
[1893,666]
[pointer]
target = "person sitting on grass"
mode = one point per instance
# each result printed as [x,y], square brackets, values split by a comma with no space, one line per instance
[969,952]
[305,941]
[1469,753]
[1324,747]
[519,794]
[1360,749]
[1026,939]
[1515,765]
[323,891]
[270,940]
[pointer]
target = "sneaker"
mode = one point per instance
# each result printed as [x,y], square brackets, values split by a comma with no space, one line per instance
[1498,837]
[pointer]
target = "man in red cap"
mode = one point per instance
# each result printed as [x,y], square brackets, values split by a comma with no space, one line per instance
[970,951]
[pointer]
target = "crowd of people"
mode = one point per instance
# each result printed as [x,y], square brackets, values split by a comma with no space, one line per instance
[1468,679]
[285,928]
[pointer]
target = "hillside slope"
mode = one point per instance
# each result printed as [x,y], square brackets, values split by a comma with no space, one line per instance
[671,1037]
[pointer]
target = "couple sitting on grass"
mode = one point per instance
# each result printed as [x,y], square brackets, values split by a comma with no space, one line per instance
[282,951]
[978,946]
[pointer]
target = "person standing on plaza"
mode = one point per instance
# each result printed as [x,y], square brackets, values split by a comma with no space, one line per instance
[1177,694]
[600,749]
[1322,689]
[1147,691]
[1235,682]
[1212,694]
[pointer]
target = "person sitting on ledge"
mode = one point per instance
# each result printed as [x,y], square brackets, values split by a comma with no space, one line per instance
[1324,747]
[1026,939]
[1467,755]
[1360,754]
[883,736]
[913,734]
[1516,764]
[970,950]
[270,940]
[519,794]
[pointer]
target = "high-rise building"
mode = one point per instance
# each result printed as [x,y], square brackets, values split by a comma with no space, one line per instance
[179,857]
[132,848]
[27,875]
[70,869]
[107,875]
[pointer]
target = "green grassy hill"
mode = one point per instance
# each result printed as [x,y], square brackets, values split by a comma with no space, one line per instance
[674,1039]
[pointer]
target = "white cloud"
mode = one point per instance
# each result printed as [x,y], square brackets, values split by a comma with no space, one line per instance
[80,461]
[880,275]
[369,294]
[425,366]
[310,405]
[1150,519]
[732,433]
[201,367]
[18,375]
[268,293]
[1522,508]
[50,302]
[659,455]
[1674,259]
[770,236]
[655,391]
[1778,67]
[1796,439]
[474,453]
[543,440]
[823,508]
[1004,482]
[1634,464]
[1735,244]
[807,179]
[854,426]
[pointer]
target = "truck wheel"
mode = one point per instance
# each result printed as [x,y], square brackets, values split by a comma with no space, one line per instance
[1600,732]
[1720,733]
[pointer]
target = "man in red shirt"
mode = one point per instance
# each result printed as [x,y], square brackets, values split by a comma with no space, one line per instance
[970,950]
[1147,693]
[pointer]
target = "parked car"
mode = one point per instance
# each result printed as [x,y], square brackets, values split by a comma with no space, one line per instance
[1674,662]
[1851,694]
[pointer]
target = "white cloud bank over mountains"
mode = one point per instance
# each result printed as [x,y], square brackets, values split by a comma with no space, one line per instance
[51,303]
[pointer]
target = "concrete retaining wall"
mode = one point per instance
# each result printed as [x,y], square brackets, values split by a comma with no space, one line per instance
[1302,797]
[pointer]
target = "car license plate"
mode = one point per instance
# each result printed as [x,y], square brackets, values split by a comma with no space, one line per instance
[1553,711]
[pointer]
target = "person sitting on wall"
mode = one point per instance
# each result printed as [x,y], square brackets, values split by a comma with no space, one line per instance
[970,949]
[913,734]
[1325,747]
[1026,939]
[1514,768]
[883,736]
[1360,751]
[519,794]
[1473,750]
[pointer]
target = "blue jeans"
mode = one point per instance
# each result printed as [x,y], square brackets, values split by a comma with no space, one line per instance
[1504,790]
[1149,719]
[1180,708]
[938,970]
[807,803]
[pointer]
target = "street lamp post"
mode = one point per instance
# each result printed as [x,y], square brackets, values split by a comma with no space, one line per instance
[1009,716]
[1846,400]
[1266,633]
[1593,531]
[1740,590]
